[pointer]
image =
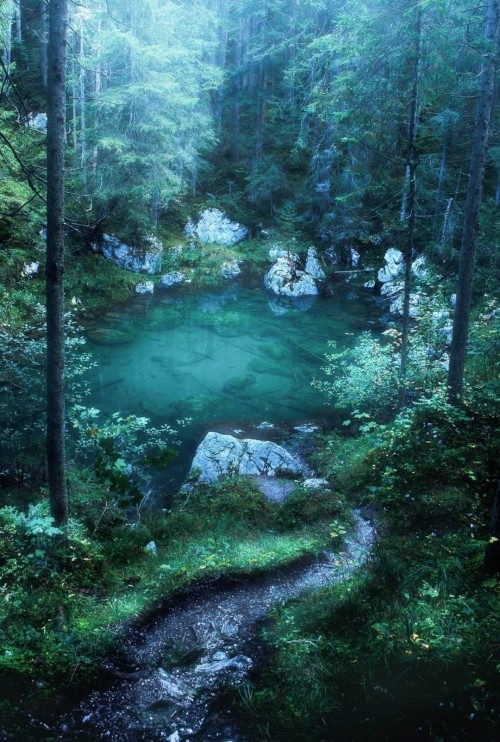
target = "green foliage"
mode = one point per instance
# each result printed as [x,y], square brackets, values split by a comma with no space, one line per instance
[22,395]
[304,507]
[364,377]
[122,449]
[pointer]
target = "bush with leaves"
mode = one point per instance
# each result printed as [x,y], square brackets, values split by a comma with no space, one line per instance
[122,450]
[22,395]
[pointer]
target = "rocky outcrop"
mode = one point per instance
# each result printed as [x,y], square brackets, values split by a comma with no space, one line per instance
[174,278]
[219,455]
[285,277]
[313,266]
[146,288]
[214,227]
[136,259]
[391,278]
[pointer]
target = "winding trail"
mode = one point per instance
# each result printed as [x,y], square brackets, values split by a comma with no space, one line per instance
[176,666]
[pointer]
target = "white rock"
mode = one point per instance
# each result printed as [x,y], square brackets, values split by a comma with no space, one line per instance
[152,548]
[214,227]
[315,484]
[230,268]
[147,287]
[38,122]
[355,258]
[394,264]
[218,455]
[174,278]
[30,269]
[369,284]
[285,279]
[313,266]
[138,260]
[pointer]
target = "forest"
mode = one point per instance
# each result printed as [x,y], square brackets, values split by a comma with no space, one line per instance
[249,370]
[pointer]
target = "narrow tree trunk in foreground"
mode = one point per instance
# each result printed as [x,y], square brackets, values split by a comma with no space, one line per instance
[473,203]
[56,125]
[411,169]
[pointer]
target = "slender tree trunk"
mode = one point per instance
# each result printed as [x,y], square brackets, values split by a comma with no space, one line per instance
[18,28]
[236,92]
[43,42]
[83,121]
[56,125]
[473,203]
[411,168]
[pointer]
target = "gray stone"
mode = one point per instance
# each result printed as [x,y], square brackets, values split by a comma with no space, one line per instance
[174,278]
[394,264]
[220,662]
[313,266]
[219,455]
[355,258]
[30,269]
[285,279]
[307,428]
[151,548]
[315,484]
[214,227]
[230,268]
[145,288]
[136,259]
[38,122]
[173,687]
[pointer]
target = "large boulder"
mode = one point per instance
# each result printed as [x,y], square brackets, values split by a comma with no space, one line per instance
[214,227]
[138,260]
[219,455]
[285,278]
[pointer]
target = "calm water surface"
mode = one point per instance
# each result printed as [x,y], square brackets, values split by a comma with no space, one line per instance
[234,357]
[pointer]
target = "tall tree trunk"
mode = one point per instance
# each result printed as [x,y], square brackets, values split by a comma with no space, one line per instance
[43,42]
[236,92]
[411,168]
[83,122]
[473,203]
[18,28]
[56,125]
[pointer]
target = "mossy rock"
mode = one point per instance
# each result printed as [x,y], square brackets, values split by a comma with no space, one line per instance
[110,336]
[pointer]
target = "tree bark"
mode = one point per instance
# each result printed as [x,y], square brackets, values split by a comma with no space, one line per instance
[411,168]
[473,202]
[56,126]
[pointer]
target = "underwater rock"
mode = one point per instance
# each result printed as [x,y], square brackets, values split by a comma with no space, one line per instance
[218,455]
[214,227]
[174,278]
[110,336]
[136,259]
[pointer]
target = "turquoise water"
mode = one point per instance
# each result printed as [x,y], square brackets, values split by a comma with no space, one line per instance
[228,360]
